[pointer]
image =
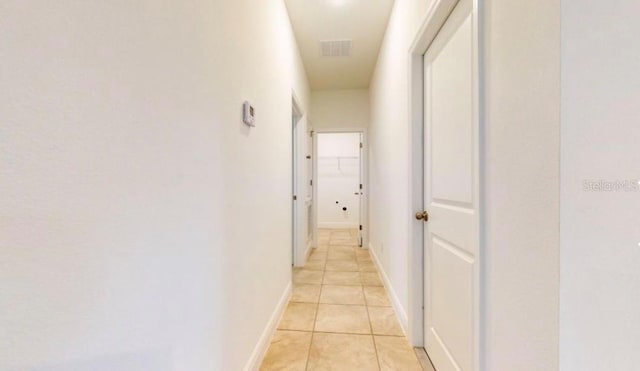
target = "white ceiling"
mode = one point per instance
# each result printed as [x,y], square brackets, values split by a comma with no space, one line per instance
[362,21]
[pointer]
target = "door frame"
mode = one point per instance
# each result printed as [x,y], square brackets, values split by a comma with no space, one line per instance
[298,253]
[436,17]
[364,206]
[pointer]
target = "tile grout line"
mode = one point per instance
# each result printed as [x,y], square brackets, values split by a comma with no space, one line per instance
[362,285]
[373,338]
[315,319]
[318,308]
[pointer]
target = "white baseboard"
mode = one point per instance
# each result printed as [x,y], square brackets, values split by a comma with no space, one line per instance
[395,302]
[265,339]
[305,255]
[308,251]
[334,225]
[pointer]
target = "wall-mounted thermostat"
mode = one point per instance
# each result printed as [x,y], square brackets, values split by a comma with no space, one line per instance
[249,114]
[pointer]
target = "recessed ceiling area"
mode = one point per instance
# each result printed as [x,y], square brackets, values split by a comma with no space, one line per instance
[360,24]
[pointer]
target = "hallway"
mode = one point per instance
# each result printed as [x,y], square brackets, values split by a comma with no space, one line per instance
[162,170]
[339,316]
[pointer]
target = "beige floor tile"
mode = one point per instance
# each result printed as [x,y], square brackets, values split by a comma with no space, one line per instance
[366,266]
[341,248]
[314,265]
[395,354]
[305,293]
[307,276]
[342,278]
[342,295]
[363,252]
[340,234]
[342,265]
[288,351]
[342,352]
[371,279]
[351,319]
[298,316]
[344,241]
[317,255]
[364,258]
[346,316]
[341,255]
[376,296]
[366,262]
[384,321]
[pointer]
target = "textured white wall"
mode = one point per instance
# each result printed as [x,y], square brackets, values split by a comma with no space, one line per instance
[599,277]
[336,109]
[126,176]
[521,174]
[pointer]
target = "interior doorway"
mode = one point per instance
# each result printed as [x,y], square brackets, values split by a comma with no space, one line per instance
[446,253]
[340,182]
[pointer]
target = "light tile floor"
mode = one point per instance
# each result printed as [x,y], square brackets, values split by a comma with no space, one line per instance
[339,316]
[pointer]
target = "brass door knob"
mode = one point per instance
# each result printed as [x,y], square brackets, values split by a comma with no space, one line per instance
[422,215]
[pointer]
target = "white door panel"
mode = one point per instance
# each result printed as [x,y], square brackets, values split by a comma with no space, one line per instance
[454,224]
[451,293]
[452,160]
[451,189]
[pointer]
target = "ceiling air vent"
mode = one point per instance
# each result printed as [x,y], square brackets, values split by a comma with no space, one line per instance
[335,48]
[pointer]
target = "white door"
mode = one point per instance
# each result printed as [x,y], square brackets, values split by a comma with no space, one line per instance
[451,194]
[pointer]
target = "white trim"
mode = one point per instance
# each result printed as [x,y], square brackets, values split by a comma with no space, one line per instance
[298,235]
[265,339]
[308,250]
[395,301]
[431,25]
[364,218]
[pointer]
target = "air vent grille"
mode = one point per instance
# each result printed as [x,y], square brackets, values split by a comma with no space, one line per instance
[335,48]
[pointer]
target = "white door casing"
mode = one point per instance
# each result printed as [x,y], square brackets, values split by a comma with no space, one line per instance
[294,189]
[339,173]
[360,191]
[363,179]
[451,194]
[299,210]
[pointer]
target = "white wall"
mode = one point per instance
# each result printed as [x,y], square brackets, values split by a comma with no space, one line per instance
[338,180]
[337,109]
[521,179]
[521,176]
[126,176]
[600,230]
[389,212]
